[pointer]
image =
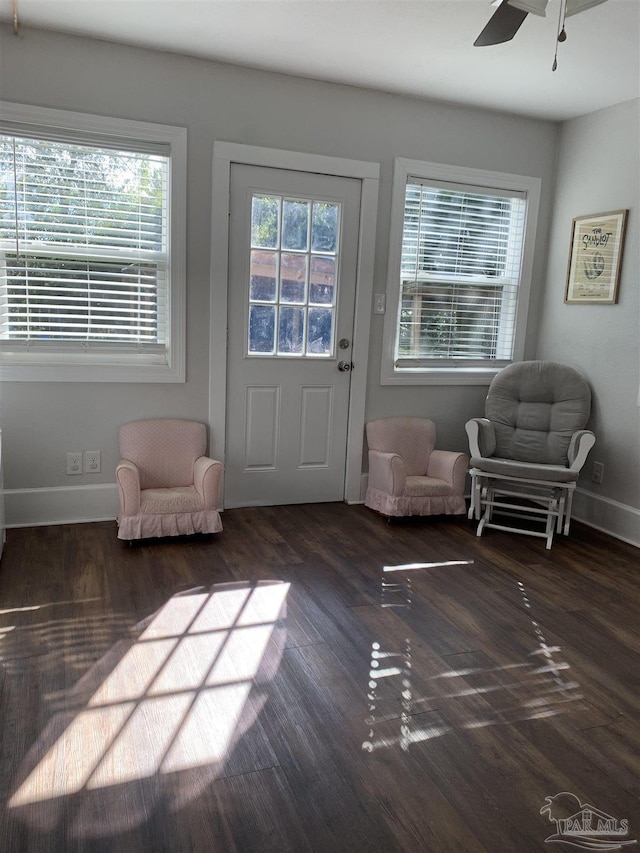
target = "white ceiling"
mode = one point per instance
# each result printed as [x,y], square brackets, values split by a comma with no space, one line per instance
[415,47]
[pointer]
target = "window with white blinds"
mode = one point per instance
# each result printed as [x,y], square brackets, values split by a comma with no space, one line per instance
[460,271]
[83,233]
[85,250]
[461,250]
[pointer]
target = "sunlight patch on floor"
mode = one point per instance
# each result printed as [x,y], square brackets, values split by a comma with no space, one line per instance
[175,698]
[411,566]
[532,689]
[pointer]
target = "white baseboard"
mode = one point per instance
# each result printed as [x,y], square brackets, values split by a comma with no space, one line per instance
[61,505]
[75,504]
[604,514]
[609,516]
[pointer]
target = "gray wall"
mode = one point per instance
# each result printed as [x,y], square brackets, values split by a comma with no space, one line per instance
[598,171]
[41,421]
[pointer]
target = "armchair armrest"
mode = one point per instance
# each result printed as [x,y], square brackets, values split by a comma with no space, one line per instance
[387,472]
[207,476]
[579,447]
[128,479]
[449,466]
[482,437]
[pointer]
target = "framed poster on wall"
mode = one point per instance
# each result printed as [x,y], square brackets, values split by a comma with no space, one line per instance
[595,256]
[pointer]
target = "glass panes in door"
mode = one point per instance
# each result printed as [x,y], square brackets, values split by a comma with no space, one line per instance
[293,274]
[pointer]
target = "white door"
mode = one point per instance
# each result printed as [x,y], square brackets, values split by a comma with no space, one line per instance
[293,251]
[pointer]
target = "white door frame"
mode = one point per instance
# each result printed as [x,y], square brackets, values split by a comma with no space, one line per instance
[224,155]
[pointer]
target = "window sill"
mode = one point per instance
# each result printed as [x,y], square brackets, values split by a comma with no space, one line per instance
[440,376]
[60,371]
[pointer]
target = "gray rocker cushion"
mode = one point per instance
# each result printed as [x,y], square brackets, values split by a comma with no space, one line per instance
[528,470]
[535,407]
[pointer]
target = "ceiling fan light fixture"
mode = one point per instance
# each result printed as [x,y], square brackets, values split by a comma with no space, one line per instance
[575,6]
[536,7]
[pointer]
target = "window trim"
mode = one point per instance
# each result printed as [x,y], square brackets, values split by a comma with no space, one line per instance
[21,365]
[464,374]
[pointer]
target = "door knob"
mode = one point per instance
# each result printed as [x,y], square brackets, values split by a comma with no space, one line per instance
[344,366]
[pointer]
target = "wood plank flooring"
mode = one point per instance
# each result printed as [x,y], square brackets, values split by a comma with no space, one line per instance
[144,708]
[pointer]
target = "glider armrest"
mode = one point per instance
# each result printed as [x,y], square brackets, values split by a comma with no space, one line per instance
[482,437]
[579,447]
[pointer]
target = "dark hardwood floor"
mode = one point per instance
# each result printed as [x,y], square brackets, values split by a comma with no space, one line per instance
[432,708]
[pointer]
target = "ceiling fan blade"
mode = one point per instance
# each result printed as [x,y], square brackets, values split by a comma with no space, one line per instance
[503,25]
[575,6]
[537,7]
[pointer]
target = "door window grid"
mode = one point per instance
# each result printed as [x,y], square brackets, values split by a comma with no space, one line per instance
[293,269]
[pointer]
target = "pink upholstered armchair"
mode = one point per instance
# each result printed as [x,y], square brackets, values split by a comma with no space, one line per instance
[167,486]
[407,476]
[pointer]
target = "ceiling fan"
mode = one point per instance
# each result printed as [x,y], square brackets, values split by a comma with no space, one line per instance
[508,17]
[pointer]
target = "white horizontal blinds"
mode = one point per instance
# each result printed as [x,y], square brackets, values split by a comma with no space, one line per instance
[460,270]
[83,242]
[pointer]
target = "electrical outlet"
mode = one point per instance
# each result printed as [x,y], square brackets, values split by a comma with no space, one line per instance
[597,472]
[74,463]
[92,461]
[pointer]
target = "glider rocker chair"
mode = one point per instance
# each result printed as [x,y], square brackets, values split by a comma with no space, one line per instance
[407,476]
[527,452]
[167,486]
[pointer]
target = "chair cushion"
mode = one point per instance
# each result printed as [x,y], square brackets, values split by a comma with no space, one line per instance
[418,487]
[161,501]
[528,470]
[535,407]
